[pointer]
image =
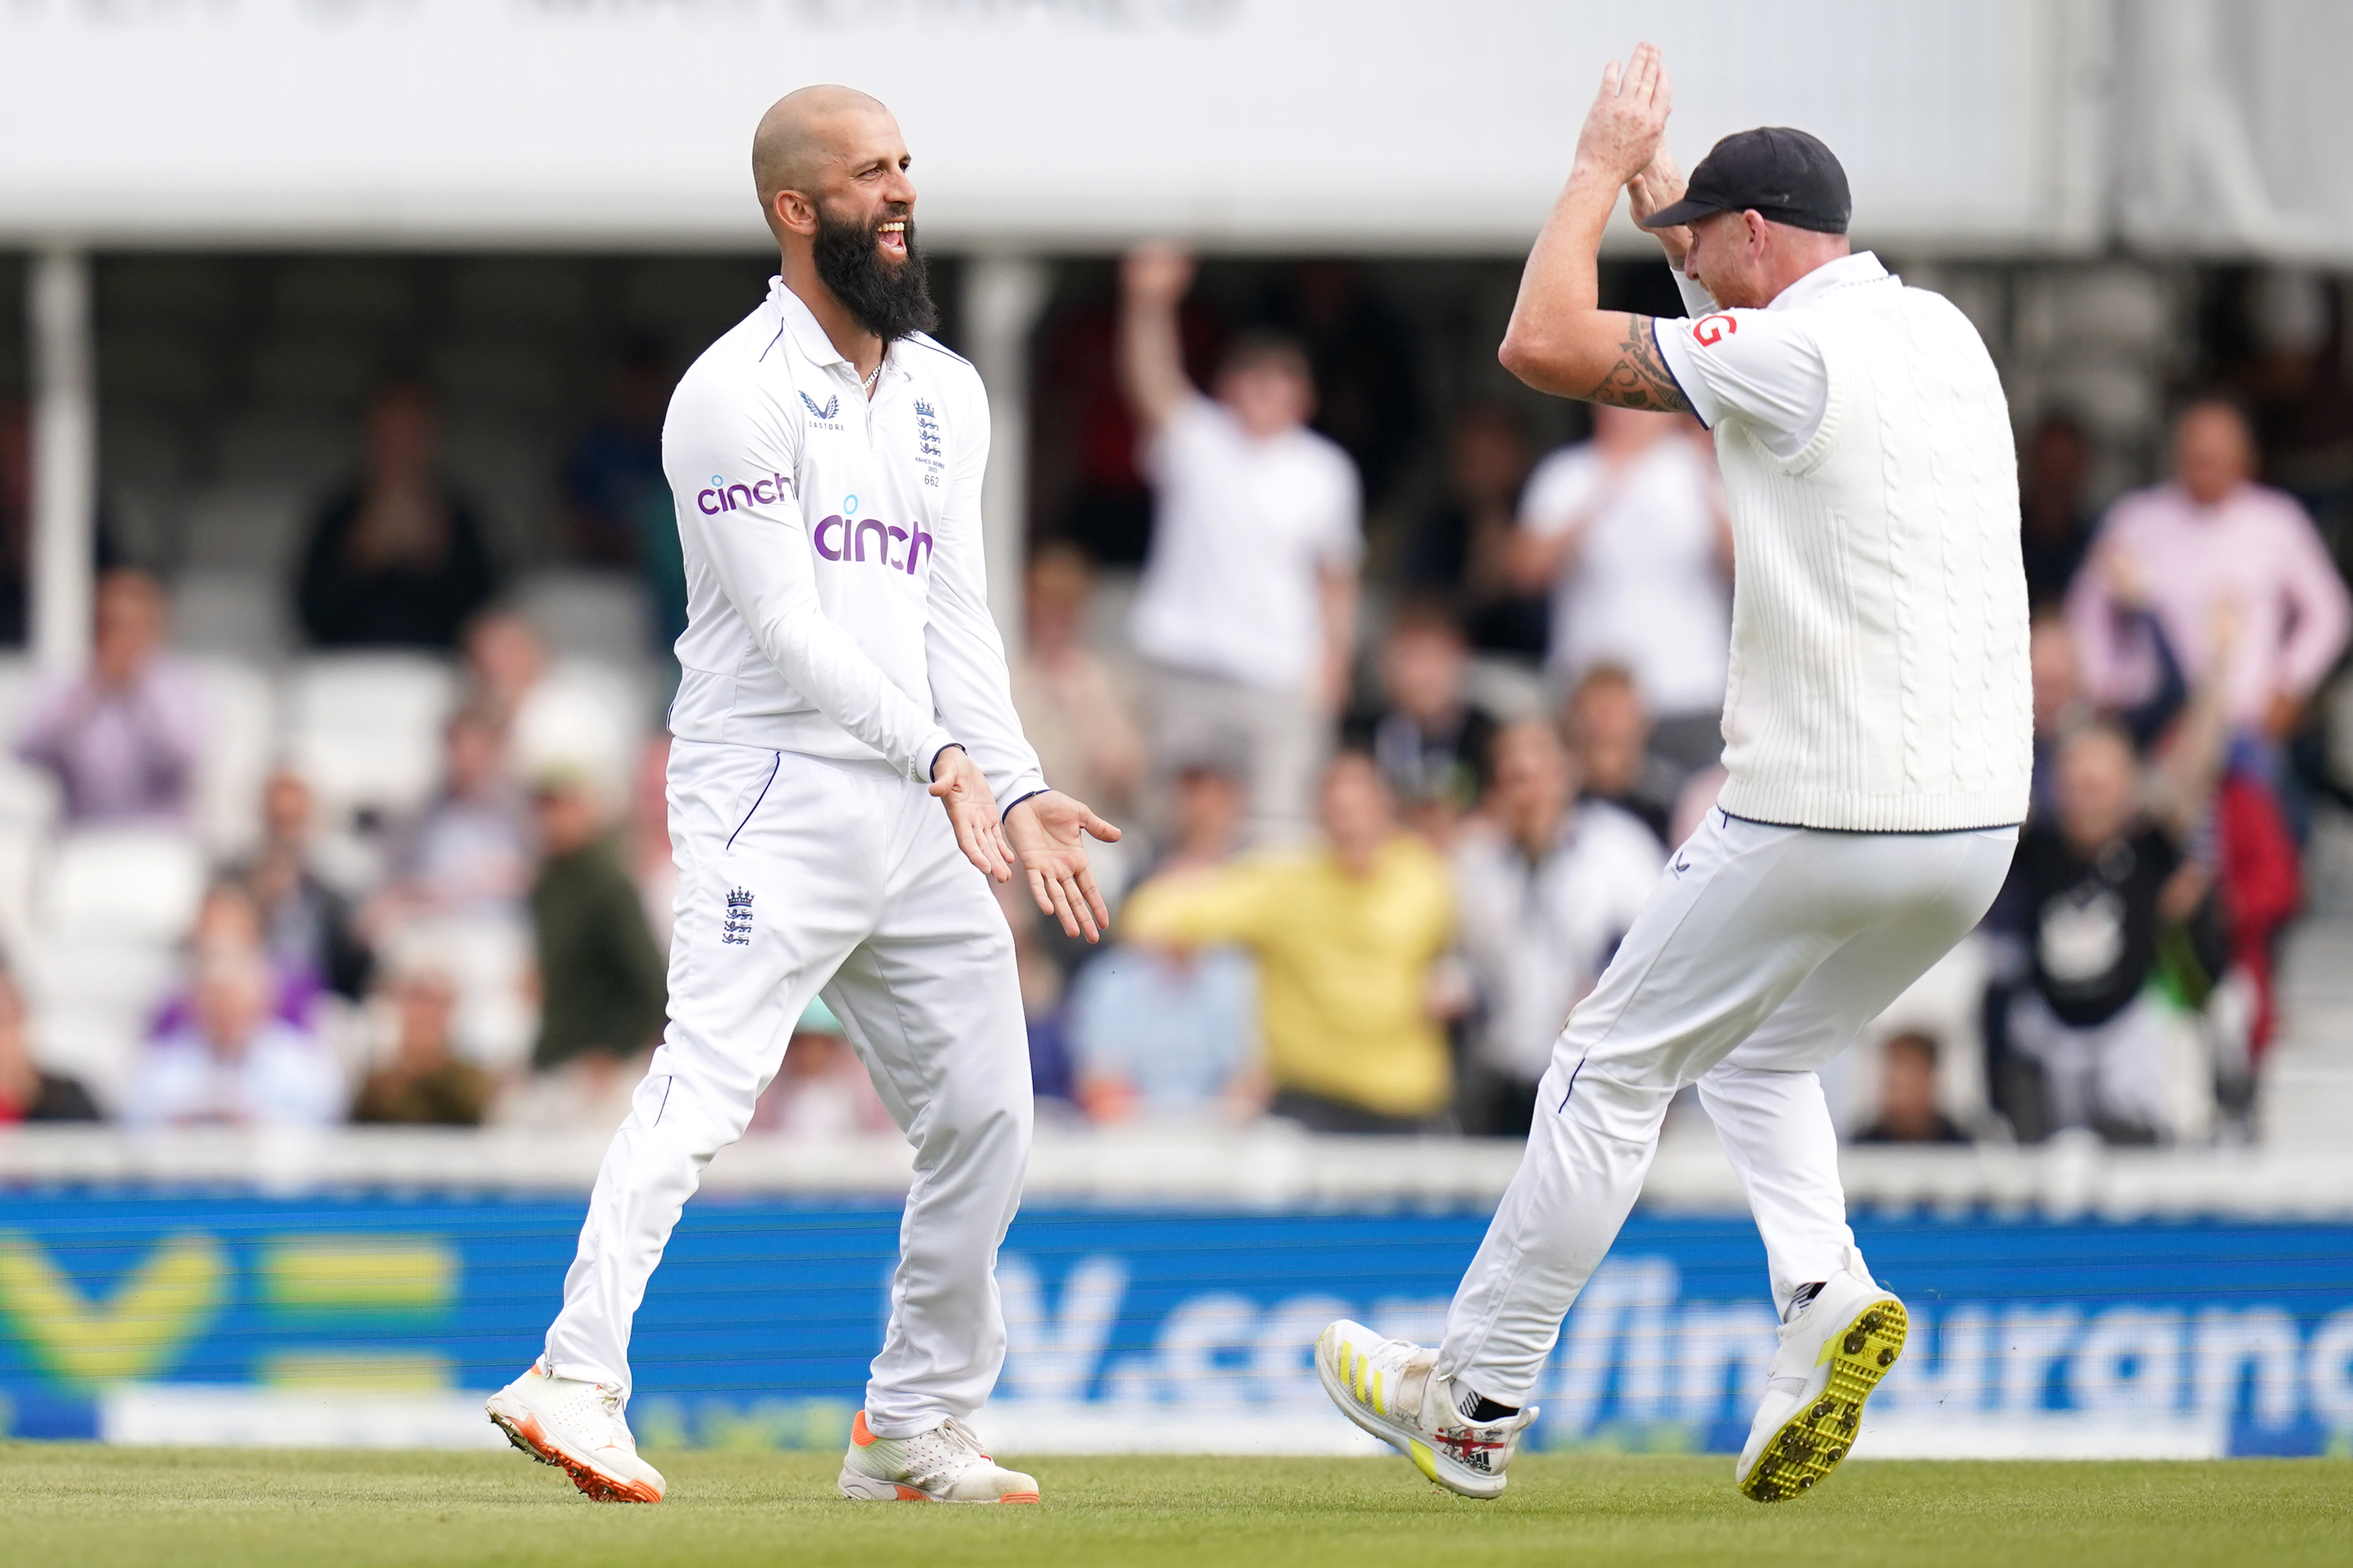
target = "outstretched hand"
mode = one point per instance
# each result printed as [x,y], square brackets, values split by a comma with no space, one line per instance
[1629,117]
[1050,835]
[963,789]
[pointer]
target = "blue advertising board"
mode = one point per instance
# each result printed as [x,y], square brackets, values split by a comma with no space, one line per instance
[758,1327]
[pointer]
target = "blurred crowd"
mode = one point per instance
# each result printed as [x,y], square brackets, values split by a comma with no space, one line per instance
[326,976]
[1379,864]
[1381,839]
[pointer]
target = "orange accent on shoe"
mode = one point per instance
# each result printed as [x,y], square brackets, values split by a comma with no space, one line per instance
[1018,1496]
[605,1488]
[860,1432]
[531,1437]
[909,1494]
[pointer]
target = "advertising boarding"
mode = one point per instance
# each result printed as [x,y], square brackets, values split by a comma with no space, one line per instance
[239,1318]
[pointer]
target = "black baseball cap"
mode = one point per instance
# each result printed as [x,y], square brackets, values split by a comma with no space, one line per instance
[1786,176]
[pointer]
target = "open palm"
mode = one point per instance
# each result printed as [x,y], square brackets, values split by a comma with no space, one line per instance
[1049,834]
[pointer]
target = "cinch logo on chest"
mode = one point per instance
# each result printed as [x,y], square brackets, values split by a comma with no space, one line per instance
[839,539]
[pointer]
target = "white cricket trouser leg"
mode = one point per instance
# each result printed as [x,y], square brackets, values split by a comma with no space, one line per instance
[1760,955]
[856,886]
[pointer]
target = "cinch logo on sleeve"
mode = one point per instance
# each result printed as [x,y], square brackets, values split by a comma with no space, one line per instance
[840,538]
[724,497]
[1712,330]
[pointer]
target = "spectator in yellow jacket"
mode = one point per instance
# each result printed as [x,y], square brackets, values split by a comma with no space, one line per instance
[1348,937]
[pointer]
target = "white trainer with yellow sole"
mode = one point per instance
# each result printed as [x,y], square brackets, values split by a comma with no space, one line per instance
[1389,1388]
[1832,1355]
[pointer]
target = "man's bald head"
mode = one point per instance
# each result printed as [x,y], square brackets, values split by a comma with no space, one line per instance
[831,168]
[802,134]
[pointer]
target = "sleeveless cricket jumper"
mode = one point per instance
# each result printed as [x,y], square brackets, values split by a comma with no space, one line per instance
[1878,737]
[1879,676]
[838,638]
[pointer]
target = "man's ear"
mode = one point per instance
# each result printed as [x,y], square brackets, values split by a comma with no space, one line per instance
[792,210]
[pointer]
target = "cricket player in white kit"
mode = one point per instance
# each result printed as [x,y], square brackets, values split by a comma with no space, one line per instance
[844,734]
[1877,739]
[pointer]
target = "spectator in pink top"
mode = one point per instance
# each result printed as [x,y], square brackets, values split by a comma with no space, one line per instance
[2217,560]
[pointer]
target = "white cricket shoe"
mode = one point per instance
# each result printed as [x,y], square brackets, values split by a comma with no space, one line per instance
[577,1427]
[1389,1388]
[943,1465]
[1832,1355]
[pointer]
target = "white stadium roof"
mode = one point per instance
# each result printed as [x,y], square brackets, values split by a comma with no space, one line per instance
[2012,126]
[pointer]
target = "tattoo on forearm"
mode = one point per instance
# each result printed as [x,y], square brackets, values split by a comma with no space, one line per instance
[1640,379]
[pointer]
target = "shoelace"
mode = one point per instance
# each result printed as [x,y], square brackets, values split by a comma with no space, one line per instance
[951,1446]
[616,1432]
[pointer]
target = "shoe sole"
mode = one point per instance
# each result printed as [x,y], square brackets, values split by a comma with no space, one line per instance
[526,1433]
[862,1488]
[1812,1443]
[1396,1436]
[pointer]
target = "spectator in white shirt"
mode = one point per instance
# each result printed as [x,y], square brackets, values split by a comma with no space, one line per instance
[122,739]
[236,1062]
[1247,610]
[1545,886]
[1629,531]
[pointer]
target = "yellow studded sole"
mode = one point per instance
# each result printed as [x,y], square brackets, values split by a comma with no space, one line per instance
[1812,1442]
[1423,1460]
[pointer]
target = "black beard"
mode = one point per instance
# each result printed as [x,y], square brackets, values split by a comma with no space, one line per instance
[889,300]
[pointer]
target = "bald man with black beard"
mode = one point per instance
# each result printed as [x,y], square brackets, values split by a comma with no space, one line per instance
[847,776]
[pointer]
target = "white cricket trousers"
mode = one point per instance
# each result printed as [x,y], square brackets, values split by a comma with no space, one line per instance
[1763,951]
[799,876]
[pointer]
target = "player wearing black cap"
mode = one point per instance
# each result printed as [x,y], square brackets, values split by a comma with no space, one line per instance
[1877,747]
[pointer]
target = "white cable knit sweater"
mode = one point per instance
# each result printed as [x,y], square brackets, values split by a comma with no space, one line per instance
[1879,668]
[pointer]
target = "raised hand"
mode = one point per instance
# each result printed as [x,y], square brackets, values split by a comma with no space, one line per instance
[960,787]
[1153,278]
[1050,834]
[1157,272]
[1629,117]
[1659,185]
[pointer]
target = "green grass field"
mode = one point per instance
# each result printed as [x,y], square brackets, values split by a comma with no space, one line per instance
[77,1507]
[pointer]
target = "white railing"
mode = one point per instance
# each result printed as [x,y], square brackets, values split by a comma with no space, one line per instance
[1265,1167]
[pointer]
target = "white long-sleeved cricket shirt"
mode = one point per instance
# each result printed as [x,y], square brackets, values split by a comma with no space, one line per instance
[837,595]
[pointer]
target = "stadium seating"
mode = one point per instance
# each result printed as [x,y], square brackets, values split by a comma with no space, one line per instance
[241,742]
[112,909]
[365,729]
